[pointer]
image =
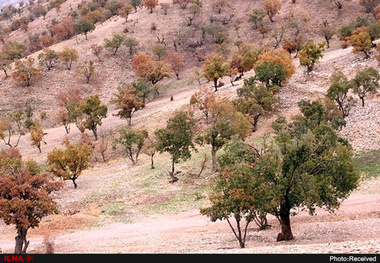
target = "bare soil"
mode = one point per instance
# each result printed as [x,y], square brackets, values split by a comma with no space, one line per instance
[120,208]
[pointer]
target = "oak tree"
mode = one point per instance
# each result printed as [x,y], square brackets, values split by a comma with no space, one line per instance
[224,123]
[176,62]
[365,81]
[176,139]
[93,112]
[215,67]
[131,141]
[25,71]
[25,198]
[68,56]
[154,71]
[128,101]
[338,91]
[47,57]
[69,163]
[310,54]
[114,43]
[271,7]
[150,4]
[254,101]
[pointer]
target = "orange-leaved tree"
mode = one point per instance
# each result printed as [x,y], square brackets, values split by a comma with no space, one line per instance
[24,196]
[154,71]
[279,57]
[150,4]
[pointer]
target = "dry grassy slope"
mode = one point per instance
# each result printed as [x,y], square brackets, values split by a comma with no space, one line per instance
[116,69]
[119,192]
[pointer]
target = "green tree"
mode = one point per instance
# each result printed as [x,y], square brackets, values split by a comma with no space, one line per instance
[160,51]
[94,111]
[131,43]
[136,4]
[270,74]
[365,81]
[256,17]
[310,54]
[240,191]
[84,26]
[131,141]
[115,42]
[224,123]
[25,198]
[215,67]
[176,139]
[338,91]
[254,102]
[314,167]
[69,163]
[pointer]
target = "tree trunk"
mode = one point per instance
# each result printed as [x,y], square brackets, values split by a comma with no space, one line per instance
[152,161]
[214,163]
[310,67]
[171,174]
[95,132]
[241,237]
[21,242]
[215,85]
[255,121]
[286,231]
[73,179]
[362,99]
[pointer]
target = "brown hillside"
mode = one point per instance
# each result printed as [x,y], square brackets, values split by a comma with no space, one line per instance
[123,208]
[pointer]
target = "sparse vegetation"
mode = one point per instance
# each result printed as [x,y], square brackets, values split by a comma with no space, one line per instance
[99,63]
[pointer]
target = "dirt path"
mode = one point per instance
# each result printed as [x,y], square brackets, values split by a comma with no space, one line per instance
[354,228]
[190,232]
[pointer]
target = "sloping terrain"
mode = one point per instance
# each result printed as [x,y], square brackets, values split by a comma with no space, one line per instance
[120,208]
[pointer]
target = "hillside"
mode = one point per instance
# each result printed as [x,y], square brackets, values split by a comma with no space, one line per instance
[123,208]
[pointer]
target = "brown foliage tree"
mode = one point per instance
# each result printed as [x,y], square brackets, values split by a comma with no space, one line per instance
[271,7]
[24,200]
[70,162]
[25,71]
[144,67]
[215,67]
[127,101]
[175,60]
[150,4]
